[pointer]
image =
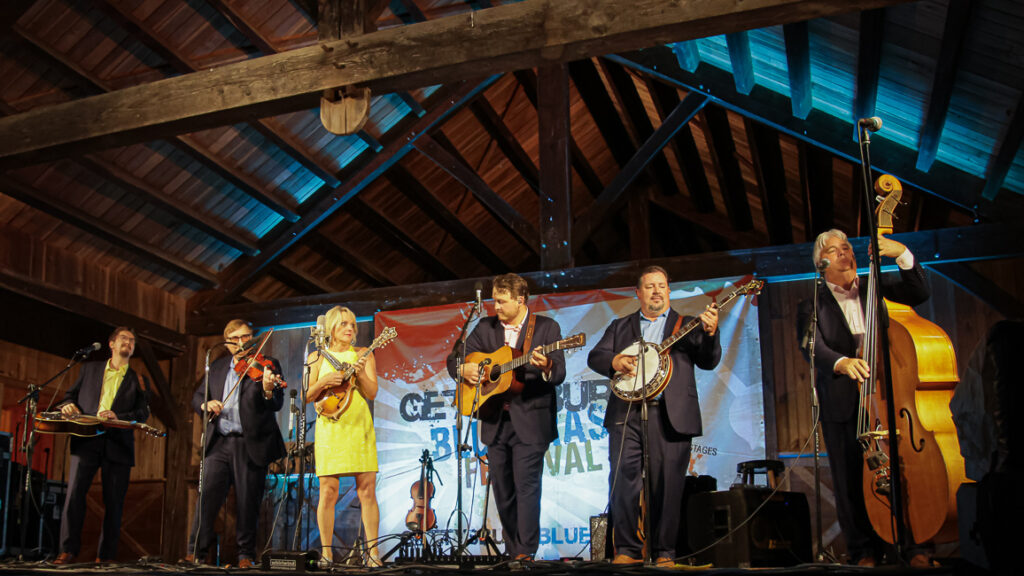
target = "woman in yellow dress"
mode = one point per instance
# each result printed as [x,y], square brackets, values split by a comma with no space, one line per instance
[346,446]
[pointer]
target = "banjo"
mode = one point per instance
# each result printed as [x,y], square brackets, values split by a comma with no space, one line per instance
[657,364]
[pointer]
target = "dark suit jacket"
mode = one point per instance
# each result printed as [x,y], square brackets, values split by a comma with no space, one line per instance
[680,397]
[262,435]
[130,403]
[839,395]
[533,411]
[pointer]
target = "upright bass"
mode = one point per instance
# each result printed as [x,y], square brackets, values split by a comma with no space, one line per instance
[924,375]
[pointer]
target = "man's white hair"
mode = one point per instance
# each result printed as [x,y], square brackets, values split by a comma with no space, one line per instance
[819,243]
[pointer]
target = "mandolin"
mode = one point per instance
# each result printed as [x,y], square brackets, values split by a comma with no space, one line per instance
[333,402]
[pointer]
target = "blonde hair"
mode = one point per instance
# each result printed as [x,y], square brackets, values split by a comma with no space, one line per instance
[336,315]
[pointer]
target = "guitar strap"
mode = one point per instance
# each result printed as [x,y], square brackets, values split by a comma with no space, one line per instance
[530,325]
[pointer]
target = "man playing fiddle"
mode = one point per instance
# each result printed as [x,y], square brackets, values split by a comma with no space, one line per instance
[242,439]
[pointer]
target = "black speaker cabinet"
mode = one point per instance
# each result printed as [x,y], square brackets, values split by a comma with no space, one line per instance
[778,535]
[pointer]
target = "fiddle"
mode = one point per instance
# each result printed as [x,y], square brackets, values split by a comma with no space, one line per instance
[421,516]
[253,368]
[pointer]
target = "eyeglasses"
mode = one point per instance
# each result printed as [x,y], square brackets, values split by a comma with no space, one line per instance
[240,338]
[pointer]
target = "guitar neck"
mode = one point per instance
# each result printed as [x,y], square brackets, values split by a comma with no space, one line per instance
[351,369]
[682,332]
[521,360]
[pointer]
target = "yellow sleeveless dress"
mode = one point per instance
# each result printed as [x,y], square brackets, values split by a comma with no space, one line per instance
[347,445]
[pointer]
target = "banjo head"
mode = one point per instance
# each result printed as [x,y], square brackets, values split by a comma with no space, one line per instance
[631,387]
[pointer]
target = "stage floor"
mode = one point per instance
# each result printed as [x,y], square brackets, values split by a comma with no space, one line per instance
[546,568]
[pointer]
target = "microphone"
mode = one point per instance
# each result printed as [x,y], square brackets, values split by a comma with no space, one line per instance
[872,124]
[89,349]
[320,332]
[291,414]
[805,340]
[479,299]
[823,264]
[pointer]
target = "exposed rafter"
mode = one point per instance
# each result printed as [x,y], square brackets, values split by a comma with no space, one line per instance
[666,98]
[869,63]
[771,179]
[727,167]
[399,239]
[798,63]
[741,60]
[518,35]
[117,238]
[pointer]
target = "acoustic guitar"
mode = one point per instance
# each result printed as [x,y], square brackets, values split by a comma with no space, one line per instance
[86,425]
[499,372]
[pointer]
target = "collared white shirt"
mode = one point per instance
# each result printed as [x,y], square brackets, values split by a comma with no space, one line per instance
[512,331]
[230,420]
[849,301]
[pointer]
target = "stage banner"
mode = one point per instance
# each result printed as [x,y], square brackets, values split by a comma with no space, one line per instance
[413,412]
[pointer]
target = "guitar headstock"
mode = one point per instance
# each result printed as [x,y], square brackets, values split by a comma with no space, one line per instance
[753,287]
[155,433]
[575,341]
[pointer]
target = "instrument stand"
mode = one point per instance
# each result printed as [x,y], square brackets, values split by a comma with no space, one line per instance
[822,554]
[300,447]
[28,441]
[459,349]
[483,535]
[645,450]
[882,325]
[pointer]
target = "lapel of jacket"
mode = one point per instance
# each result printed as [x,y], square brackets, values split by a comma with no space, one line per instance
[634,327]
[670,323]
[122,388]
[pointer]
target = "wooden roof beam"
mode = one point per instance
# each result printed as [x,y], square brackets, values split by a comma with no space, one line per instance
[727,168]
[959,14]
[687,55]
[982,288]
[399,239]
[162,401]
[1008,148]
[869,64]
[742,62]
[528,80]
[185,143]
[798,64]
[258,39]
[299,281]
[710,223]
[494,125]
[771,179]
[442,104]
[366,270]
[118,238]
[110,316]
[666,98]
[831,134]
[218,230]
[595,214]
[816,184]
[180,61]
[555,171]
[773,263]
[636,115]
[519,35]
[506,214]
[435,208]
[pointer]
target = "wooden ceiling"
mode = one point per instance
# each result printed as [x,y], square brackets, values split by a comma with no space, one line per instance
[678,144]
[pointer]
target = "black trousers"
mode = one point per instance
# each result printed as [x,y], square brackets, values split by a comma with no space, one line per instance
[115,477]
[227,463]
[669,459]
[515,475]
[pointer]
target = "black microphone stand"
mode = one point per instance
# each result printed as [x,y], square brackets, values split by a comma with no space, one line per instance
[645,450]
[28,441]
[300,444]
[459,349]
[811,336]
[882,326]
[202,456]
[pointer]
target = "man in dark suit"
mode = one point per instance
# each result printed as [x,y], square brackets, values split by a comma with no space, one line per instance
[517,429]
[840,330]
[242,439]
[110,390]
[673,418]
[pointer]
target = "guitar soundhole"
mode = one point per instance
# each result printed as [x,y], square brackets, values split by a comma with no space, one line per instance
[495,374]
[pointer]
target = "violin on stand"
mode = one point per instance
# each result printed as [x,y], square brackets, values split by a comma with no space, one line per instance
[421,516]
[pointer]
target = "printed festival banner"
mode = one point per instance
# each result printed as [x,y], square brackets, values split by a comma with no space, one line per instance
[413,412]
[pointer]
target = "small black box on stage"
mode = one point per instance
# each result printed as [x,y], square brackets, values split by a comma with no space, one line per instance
[286,561]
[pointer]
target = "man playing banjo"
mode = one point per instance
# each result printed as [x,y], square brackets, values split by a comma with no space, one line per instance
[674,414]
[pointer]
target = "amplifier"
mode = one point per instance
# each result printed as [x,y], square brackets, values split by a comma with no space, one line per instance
[778,535]
[285,561]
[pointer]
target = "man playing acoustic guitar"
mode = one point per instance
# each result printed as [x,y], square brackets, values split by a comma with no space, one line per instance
[517,428]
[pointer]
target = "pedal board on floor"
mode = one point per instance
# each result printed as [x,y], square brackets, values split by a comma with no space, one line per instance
[416,555]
